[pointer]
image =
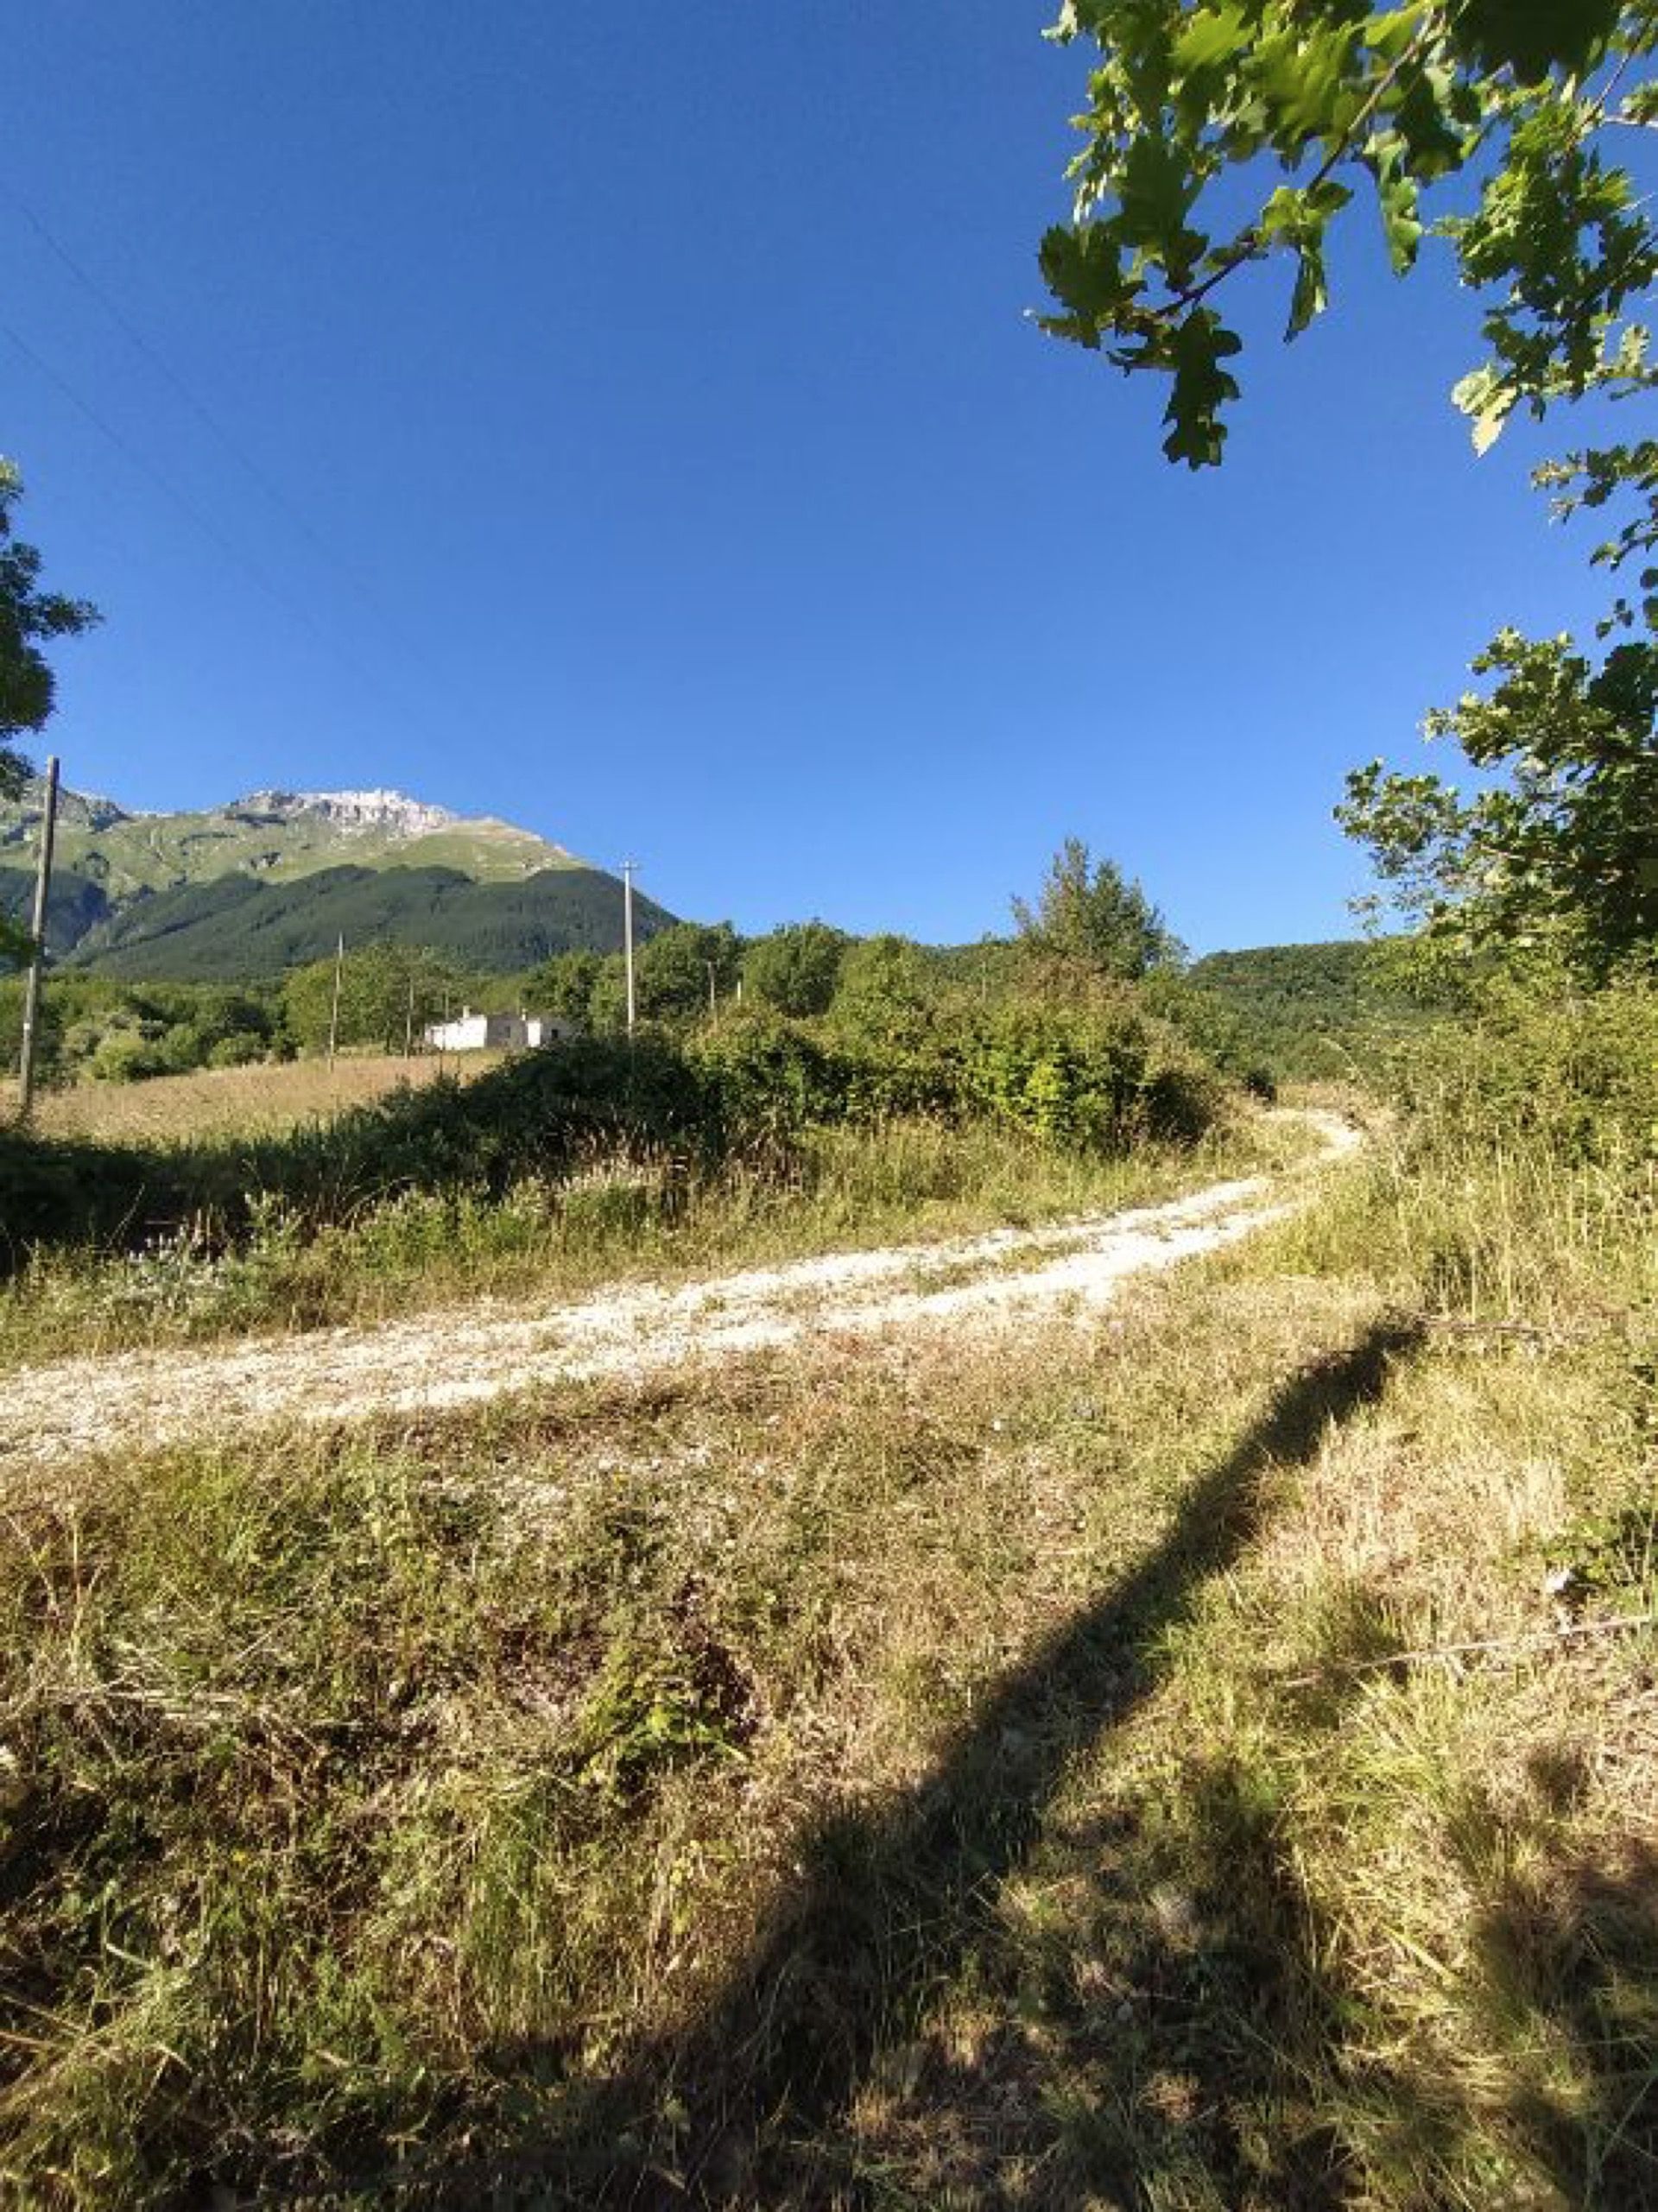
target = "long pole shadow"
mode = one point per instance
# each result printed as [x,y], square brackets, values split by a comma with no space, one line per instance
[744,2107]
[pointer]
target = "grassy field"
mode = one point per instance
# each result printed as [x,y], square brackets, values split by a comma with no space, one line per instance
[615,1219]
[1203,1762]
[257,1100]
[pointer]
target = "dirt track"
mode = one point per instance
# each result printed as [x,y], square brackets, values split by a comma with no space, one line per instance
[466,1354]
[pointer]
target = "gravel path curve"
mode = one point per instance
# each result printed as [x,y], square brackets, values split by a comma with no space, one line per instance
[466,1354]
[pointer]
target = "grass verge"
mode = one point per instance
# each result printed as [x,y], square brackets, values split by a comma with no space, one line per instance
[1046,1770]
[613,1218]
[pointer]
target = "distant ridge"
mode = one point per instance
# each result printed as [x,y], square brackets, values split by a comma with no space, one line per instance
[233,892]
[351,810]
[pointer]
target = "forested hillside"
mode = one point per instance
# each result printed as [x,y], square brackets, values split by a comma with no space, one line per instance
[239,929]
[1304,1008]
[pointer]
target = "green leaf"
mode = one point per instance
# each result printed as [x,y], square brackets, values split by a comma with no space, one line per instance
[1532,37]
[1084,270]
[1312,294]
[1482,395]
[1154,191]
[1196,349]
[1399,201]
[1389,37]
[1212,35]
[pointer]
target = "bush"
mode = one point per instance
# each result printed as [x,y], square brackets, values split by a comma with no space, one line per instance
[1577,1073]
[1092,1081]
[1093,1078]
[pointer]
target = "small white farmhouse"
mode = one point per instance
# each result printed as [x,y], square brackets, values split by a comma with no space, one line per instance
[500,1033]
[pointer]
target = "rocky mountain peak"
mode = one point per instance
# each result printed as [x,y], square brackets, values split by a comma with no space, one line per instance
[352,810]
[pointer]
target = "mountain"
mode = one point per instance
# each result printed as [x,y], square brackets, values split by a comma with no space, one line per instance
[273,835]
[230,892]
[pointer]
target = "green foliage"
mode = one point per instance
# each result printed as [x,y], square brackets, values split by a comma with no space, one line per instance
[795,968]
[1089,917]
[1190,105]
[1296,1012]
[684,969]
[92,1028]
[751,1087]
[388,994]
[565,985]
[1097,1079]
[1560,855]
[885,994]
[29,618]
[1541,1065]
[236,928]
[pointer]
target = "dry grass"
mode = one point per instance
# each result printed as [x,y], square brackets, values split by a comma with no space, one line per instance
[902,1776]
[611,1220]
[254,1101]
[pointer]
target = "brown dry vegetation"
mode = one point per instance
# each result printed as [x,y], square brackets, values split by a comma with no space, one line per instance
[894,1775]
[254,1101]
[615,1219]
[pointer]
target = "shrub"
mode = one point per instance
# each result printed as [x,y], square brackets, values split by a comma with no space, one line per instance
[1575,1072]
[1090,1080]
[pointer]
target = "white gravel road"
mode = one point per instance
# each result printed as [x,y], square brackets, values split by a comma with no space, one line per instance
[466,1354]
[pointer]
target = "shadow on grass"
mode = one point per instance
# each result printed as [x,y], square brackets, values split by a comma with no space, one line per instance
[1569,1958]
[750,2107]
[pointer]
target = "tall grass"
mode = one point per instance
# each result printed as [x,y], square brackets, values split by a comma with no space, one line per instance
[606,1214]
[260,1099]
[1200,1758]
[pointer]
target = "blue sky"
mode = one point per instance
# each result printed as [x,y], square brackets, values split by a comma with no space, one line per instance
[631,428]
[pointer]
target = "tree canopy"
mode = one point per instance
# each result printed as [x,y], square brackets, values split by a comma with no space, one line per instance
[29,618]
[1090,917]
[1307,106]
[795,968]
[1562,854]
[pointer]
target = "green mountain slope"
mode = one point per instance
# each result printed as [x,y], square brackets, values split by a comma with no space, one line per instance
[273,835]
[236,929]
[76,904]
[1307,1007]
[228,893]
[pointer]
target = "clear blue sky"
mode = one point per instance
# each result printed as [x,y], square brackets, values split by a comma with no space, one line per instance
[634,430]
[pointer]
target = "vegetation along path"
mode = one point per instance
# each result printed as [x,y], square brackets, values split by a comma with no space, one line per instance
[463,1356]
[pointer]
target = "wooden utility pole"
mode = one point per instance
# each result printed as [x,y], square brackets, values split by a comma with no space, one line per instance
[408,1021]
[37,930]
[333,1011]
[627,869]
[713,1000]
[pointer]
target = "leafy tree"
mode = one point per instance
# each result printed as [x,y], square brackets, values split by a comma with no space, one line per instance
[1353,101]
[1092,919]
[375,997]
[1318,102]
[1560,855]
[884,995]
[29,618]
[564,986]
[795,968]
[673,970]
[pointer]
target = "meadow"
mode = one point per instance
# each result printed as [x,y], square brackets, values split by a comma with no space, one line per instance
[1200,1757]
[259,1099]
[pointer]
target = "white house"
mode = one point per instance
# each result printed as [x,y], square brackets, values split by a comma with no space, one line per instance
[500,1033]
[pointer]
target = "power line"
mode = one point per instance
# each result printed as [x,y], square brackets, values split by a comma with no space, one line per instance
[211,421]
[163,367]
[168,490]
